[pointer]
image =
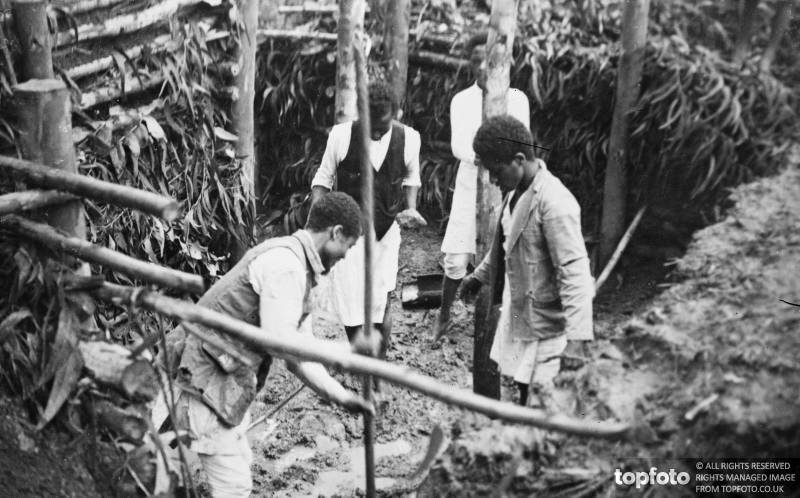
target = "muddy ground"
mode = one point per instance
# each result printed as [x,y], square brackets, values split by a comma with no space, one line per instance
[706,333]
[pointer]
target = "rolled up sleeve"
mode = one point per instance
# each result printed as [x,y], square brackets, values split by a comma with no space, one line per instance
[278,278]
[335,151]
[411,156]
[561,223]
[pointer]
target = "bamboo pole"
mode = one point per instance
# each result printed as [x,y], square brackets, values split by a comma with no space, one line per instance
[45,121]
[107,94]
[287,346]
[367,206]
[623,243]
[128,23]
[32,199]
[428,58]
[30,22]
[83,6]
[265,35]
[163,43]
[92,188]
[147,272]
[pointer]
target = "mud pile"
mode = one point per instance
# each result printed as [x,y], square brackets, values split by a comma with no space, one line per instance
[709,368]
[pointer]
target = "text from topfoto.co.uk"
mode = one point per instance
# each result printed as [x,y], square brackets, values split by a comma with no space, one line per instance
[652,477]
[773,477]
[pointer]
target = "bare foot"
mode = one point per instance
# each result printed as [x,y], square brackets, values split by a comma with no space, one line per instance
[441,326]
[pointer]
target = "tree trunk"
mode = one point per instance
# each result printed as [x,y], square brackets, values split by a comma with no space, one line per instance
[395,41]
[351,21]
[748,24]
[503,23]
[242,118]
[30,22]
[45,124]
[629,75]
[780,23]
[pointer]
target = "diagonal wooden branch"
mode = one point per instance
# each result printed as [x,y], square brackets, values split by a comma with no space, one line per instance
[285,345]
[147,272]
[91,188]
[32,199]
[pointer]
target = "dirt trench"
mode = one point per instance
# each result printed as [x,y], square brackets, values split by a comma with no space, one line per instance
[707,327]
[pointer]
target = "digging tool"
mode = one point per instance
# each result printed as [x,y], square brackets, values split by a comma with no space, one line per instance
[275,409]
[366,208]
[413,481]
[623,242]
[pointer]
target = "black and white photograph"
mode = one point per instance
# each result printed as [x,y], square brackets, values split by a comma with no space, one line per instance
[400,248]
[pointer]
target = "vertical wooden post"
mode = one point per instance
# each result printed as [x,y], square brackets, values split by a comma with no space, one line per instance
[30,24]
[351,21]
[242,117]
[45,124]
[780,23]
[395,40]
[502,26]
[629,75]
[367,209]
[748,24]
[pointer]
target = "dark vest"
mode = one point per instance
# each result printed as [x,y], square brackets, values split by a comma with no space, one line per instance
[387,182]
[223,382]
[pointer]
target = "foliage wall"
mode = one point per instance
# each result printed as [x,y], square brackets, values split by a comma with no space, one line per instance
[702,125]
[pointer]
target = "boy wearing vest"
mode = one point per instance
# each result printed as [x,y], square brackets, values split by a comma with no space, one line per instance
[270,287]
[537,262]
[394,154]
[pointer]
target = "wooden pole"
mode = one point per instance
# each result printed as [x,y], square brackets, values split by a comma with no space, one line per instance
[158,13]
[91,188]
[242,120]
[395,41]
[80,248]
[30,22]
[32,199]
[45,123]
[367,207]
[629,75]
[502,25]
[284,345]
[351,21]
[623,243]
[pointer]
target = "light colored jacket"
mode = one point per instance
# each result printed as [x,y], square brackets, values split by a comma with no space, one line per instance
[546,264]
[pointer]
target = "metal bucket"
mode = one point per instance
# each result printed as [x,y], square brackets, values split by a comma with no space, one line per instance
[425,291]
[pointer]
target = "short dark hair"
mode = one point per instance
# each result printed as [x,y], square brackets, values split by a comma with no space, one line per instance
[335,208]
[380,94]
[500,138]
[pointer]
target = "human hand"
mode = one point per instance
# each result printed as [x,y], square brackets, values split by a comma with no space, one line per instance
[367,346]
[410,218]
[354,403]
[469,287]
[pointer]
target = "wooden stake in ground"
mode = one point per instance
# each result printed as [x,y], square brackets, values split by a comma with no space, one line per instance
[45,121]
[503,23]
[629,75]
[395,40]
[242,118]
[367,216]
[30,22]
[351,21]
